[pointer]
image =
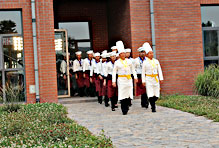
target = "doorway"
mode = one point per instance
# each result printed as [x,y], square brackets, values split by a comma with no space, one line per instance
[62,63]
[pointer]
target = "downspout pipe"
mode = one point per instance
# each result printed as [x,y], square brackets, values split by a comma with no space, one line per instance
[36,69]
[153,27]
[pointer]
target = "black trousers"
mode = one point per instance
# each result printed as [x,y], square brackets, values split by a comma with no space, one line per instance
[81,91]
[144,100]
[114,101]
[90,91]
[152,101]
[125,105]
[100,99]
[106,100]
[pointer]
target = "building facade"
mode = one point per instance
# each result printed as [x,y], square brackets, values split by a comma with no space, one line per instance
[186,36]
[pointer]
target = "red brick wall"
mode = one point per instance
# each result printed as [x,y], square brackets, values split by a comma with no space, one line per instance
[140,23]
[119,22]
[46,50]
[209,1]
[85,10]
[178,39]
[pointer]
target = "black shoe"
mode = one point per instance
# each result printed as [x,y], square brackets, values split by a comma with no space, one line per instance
[154,110]
[106,105]
[113,109]
[124,113]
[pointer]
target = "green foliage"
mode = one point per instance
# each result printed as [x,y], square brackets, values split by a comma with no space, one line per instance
[13,96]
[7,26]
[207,83]
[198,105]
[45,125]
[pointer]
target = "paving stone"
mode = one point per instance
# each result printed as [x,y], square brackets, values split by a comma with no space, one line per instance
[143,129]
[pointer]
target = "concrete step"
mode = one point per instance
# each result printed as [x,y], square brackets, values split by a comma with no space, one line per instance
[74,100]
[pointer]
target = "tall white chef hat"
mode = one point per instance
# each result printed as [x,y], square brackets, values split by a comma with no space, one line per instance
[140,49]
[97,54]
[108,54]
[147,47]
[90,52]
[128,50]
[105,51]
[103,55]
[113,47]
[120,47]
[113,53]
[78,53]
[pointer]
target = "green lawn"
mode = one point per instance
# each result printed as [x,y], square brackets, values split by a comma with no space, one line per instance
[45,125]
[198,105]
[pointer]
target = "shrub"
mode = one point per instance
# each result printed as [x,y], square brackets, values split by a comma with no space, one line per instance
[13,97]
[207,83]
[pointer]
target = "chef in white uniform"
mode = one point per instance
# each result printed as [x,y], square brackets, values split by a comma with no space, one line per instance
[112,92]
[87,63]
[140,89]
[124,68]
[151,76]
[78,71]
[102,77]
[94,75]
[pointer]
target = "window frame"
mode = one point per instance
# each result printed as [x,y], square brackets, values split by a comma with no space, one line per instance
[208,58]
[209,29]
[3,70]
[82,40]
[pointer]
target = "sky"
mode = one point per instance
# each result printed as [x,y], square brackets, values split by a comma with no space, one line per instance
[76,30]
[210,13]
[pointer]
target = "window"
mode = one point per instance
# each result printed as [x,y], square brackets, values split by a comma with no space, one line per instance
[78,37]
[210,27]
[11,55]
[10,22]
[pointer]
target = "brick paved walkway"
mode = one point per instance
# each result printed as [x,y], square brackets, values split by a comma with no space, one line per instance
[143,129]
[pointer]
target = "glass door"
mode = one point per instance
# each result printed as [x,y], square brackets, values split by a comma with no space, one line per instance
[62,63]
[12,86]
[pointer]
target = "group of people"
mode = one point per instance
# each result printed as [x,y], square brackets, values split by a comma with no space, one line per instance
[112,75]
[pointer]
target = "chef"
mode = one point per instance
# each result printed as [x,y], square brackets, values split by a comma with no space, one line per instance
[152,76]
[124,68]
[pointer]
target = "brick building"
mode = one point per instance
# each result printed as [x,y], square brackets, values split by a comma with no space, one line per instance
[183,36]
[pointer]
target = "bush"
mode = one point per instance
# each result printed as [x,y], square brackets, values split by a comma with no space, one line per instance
[207,83]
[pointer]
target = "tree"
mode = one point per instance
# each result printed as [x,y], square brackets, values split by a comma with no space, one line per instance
[7,26]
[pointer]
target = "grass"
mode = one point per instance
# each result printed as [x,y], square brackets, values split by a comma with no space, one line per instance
[198,105]
[45,125]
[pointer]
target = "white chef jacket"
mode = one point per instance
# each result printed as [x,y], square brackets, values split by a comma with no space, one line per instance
[138,62]
[77,66]
[109,69]
[150,68]
[87,64]
[95,68]
[103,68]
[63,67]
[125,85]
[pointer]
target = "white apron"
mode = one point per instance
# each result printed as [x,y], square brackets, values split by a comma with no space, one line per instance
[151,75]
[125,85]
